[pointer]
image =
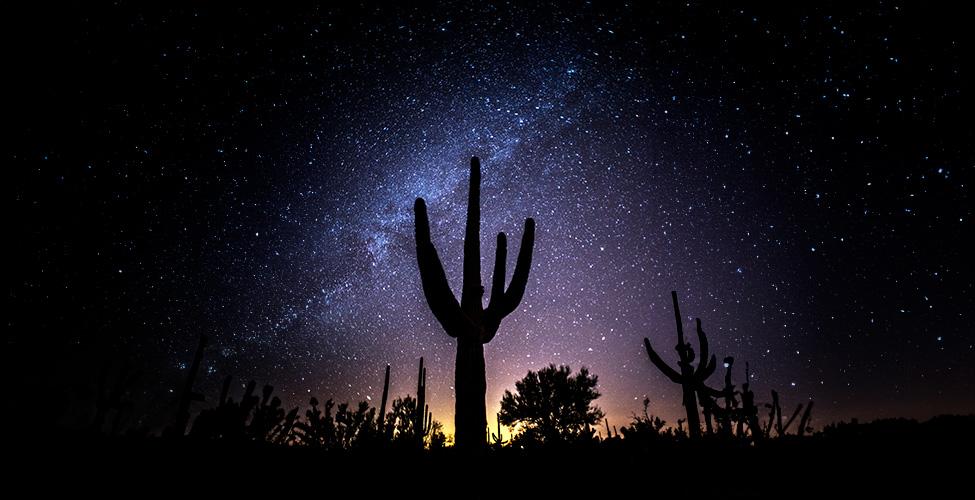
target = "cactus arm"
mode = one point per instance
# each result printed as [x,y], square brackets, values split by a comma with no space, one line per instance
[519,280]
[710,391]
[661,364]
[702,340]
[435,287]
[804,421]
[680,324]
[706,369]
[788,423]
[504,303]
[497,281]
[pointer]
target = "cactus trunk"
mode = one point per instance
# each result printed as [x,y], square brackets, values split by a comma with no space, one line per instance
[419,419]
[382,407]
[469,387]
[690,405]
[688,385]
[777,413]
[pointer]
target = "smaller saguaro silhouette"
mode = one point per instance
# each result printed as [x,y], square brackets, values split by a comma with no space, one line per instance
[749,412]
[497,439]
[690,378]
[775,418]
[468,321]
[382,407]
[422,418]
[182,417]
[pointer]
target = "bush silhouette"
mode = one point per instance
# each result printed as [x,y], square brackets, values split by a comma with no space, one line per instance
[407,432]
[644,428]
[551,406]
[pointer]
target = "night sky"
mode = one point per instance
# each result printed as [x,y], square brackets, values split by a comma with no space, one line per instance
[801,177]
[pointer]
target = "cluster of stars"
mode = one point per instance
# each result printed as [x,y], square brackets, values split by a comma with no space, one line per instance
[795,177]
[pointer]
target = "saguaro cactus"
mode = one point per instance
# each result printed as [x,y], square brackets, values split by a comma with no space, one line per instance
[182,417]
[748,408]
[498,440]
[775,415]
[804,421]
[469,322]
[420,416]
[381,421]
[691,379]
[729,413]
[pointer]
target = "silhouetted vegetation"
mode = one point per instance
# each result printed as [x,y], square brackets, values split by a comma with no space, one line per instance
[468,321]
[248,428]
[552,406]
[645,428]
[329,425]
[188,395]
[738,416]
[690,378]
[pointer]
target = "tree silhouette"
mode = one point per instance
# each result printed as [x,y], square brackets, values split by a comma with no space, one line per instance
[552,405]
[409,431]
[468,321]
[354,426]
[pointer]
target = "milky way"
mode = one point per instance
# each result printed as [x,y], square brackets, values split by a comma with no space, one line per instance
[800,178]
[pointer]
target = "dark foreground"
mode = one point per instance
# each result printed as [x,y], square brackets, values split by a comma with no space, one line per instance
[890,457]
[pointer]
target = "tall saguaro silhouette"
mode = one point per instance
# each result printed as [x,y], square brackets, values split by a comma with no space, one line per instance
[690,378]
[469,322]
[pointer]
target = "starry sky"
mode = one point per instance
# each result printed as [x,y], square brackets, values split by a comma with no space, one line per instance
[801,177]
